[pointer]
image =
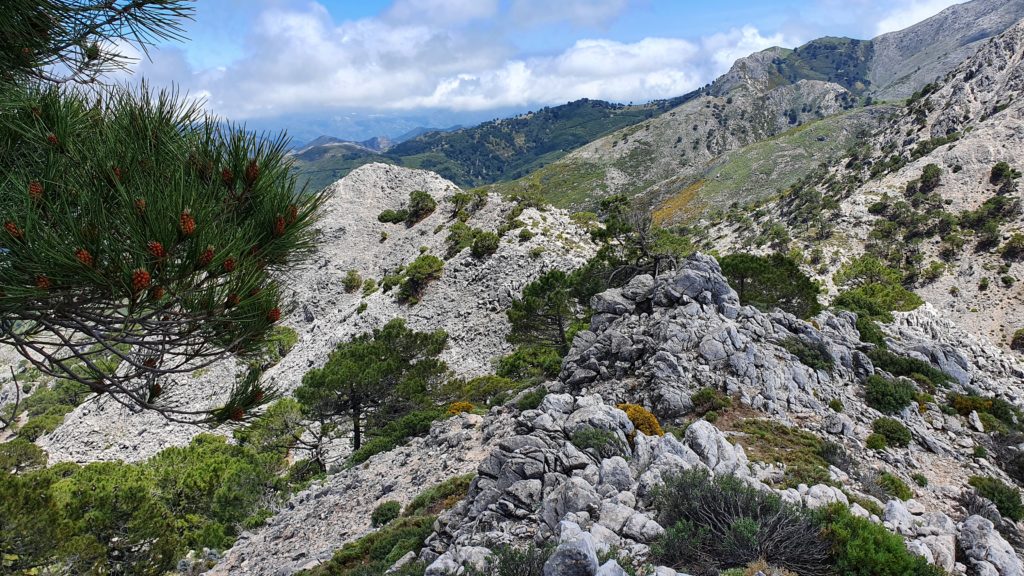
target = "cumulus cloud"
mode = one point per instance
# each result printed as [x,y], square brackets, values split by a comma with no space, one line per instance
[297,60]
[907,13]
[442,11]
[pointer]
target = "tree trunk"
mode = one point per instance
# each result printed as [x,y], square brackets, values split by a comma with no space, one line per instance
[356,429]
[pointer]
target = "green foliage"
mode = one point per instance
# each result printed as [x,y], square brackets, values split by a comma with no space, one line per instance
[909,367]
[813,354]
[894,432]
[421,205]
[894,487]
[488,390]
[709,399]
[19,455]
[440,497]
[919,479]
[544,314]
[420,272]
[393,216]
[1017,340]
[1002,172]
[385,513]
[888,396]
[377,551]
[530,362]
[863,548]
[1004,496]
[279,343]
[876,442]
[485,244]
[996,413]
[59,398]
[1014,247]
[136,198]
[396,432]
[836,405]
[352,281]
[531,400]
[873,291]
[772,282]
[509,561]
[372,379]
[604,443]
[748,524]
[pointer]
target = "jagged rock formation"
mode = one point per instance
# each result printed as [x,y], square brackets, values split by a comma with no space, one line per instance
[469,300]
[656,341]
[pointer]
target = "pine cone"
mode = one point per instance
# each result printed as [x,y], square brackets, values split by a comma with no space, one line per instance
[279,226]
[227,177]
[13,230]
[156,292]
[206,257]
[274,315]
[52,139]
[293,213]
[117,174]
[156,249]
[140,280]
[35,190]
[140,206]
[252,173]
[84,257]
[229,265]
[42,282]
[187,223]
[232,301]
[237,414]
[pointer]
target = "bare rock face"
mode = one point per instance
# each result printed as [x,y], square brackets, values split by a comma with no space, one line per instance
[468,301]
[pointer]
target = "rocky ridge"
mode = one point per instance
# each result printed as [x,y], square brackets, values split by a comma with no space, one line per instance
[655,342]
[469,300]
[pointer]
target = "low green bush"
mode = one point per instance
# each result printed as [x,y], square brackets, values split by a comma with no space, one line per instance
[485,244]
[384,513]
[1005,497]
[906,366]
[919,479]
[812,354]
[376,552]
[20,455]
[876,442]
[602,442]
[836,405]
[895,433]
[894,487]
[440,497]
[888,396]
[749,524]
[352,281]
[509,561]
[709,400]
[396,433]
[43,424]
[531,400]
[393,216]
[528,362]
[863,548]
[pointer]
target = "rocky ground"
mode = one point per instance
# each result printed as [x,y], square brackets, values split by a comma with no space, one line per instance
[655,342]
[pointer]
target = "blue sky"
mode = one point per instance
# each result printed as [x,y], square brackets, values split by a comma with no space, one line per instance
[292,62]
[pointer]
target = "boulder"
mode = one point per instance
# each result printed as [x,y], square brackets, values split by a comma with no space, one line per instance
[575,557]
[982,545]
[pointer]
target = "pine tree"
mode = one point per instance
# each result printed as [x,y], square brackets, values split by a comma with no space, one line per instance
[142,238]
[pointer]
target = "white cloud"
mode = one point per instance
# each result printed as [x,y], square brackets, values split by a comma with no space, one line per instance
[300,60]
[908,13]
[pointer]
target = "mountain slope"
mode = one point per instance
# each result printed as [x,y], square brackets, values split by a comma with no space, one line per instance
[497,150]
[762,96]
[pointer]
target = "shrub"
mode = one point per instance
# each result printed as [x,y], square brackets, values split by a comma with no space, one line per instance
[530,362]
[352,282]
[456,408]
[709,399]
[396,433]
[440,497]
[421,205]
[509,561]
[888,396]
[893,486]
[748,525]
[1005,497]
[19,455]
[995,413]
[385,513]
[814,355]
[980,452]
[392,217]
[485,244]
[531,400]
[919,479]
[420,272]
[836,405]
[603,442]
[895,433]
[863,548]
[489,390]
[377,551]
[40,426]
[642,419]
[1014,247]
[835,454]
[983,284]
[369,287]
[906,366]
[876,442]
[1017,341]
[525,234]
